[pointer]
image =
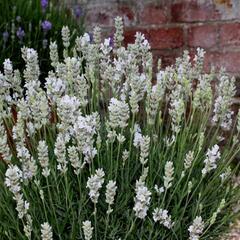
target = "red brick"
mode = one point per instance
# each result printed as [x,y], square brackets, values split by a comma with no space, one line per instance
[127,13]
[104,16]
[194,12]
[202,36]
[167,57]
[230,35]
[230,61]
[153,14]
[99,17]
[161,38]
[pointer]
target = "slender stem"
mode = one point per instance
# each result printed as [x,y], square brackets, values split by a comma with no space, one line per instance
[106,225]
[130,229]
[95,220]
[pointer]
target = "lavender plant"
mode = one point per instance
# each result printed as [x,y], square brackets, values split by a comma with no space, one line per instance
[110,150]
[34,23]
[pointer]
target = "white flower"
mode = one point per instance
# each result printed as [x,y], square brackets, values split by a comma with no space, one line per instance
[96,35]
[118,113]
[32,71]
[4,148]
[121,138]
[154,97]
[196,229]
[169,171]
[87,230]
[68,110]
[12,181]
[13,178]
[46,231]
[94,184]
[81,89]
[56,87]
[29,167]
[8,70]
[110,194]
[144,147]
[142,200]
[177,109]
[43,158]
[159,190]
[210,162]
[163,217]
[60,152]
[28,227]
[66,36]
[118,36]
[85,39]
[137,136]
[22,205]
[188,160]
[225,93]
[125,156]
[84,131]
[74,159]
[202,97]
[54,53]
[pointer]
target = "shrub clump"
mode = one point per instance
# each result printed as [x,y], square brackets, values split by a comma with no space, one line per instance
[107,149]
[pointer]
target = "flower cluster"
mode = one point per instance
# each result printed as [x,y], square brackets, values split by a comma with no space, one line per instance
[196,229]
[88,230]
[46,231]
[210,162]
[94,184]
[163,217]
[110,194]
[142,200]
[118,113]
[12,181]
[43,158]
[169,171]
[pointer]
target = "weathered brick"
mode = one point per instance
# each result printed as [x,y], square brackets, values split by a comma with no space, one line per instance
[167,57]
[193,11]
[98,17]
[153,14]
[230,35]
[104,16]
[203,36]
[160,38]
[229,60]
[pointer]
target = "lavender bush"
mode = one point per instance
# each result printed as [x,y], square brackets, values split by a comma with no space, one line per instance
[112,150]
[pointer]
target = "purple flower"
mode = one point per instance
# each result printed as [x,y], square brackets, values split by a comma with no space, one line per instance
[46,26]
[5,36]
[20,33]
[78,11]
[111,41]
[44,4]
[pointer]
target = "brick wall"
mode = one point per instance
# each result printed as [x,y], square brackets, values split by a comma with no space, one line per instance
[174,25]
